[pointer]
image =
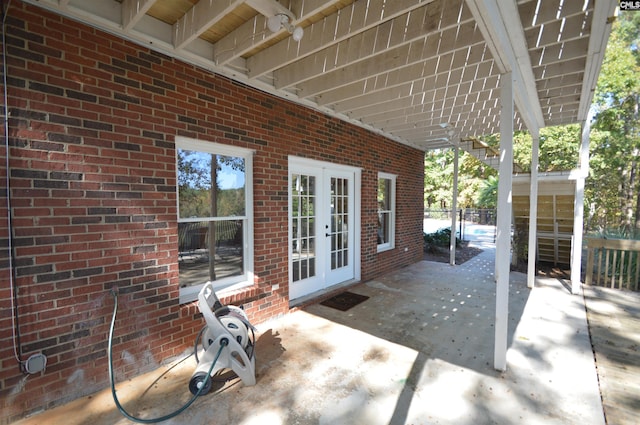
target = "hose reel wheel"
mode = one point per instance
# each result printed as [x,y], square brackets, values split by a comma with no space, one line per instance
[234,321]
[200,380]
[234,326]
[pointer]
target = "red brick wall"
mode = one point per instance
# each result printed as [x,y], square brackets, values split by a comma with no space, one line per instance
[92,126]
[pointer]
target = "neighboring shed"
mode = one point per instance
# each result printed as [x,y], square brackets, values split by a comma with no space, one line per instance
[556,198]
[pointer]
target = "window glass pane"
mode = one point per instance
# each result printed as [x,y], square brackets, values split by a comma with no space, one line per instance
[383,194]
[214,218]
[209,251]
[197,197]
[385,214]
[383,229]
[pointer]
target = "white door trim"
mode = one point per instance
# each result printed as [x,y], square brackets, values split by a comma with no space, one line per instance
[299,163]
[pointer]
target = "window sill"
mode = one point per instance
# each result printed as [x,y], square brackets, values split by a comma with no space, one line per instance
[190,294]
[385,247]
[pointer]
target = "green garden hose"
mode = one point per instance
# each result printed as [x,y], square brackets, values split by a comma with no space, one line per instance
[223,343]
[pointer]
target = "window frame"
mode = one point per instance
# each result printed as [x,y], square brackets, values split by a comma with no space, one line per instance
[391,244]
[190,293]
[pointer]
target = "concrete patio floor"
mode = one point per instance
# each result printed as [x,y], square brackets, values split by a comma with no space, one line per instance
[418,351]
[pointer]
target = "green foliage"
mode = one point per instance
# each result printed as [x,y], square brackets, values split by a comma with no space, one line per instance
[558,148]
[194,184]
[612,192]
[439,238]
[198,197]
[488,195]
[438,179]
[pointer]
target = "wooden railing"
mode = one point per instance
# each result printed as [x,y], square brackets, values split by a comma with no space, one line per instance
[193,235]
[614,263]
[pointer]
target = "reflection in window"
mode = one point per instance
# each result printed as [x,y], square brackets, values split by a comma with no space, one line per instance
[303,212]
[212,214]
[386,211]
[209,251]
[339,220]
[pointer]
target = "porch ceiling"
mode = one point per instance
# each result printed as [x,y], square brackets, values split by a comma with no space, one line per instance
[402,68]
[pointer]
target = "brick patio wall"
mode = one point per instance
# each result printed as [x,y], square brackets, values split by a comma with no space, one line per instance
[92,125]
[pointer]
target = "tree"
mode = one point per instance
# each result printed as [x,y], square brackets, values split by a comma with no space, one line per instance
[559,148]
[488,196]
[438,179]
[613,189]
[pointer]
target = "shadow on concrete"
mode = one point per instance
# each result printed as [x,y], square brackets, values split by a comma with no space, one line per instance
[446,316]
[418,351]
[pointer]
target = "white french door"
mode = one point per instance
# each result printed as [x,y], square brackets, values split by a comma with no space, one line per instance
[324,240]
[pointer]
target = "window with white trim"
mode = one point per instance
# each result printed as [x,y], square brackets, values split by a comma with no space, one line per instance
[215,225]
[386,211]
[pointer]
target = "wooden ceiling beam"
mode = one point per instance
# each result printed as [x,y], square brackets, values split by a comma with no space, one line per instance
[200,18]
[501,27]
[410,79]
[572,90]
[254,32]
[403,29]
[396,107]
[424,118]
[556,81]
[133,11]
[417,118]
[440,45]
[557,69]
[569,29]
[476,57]
[347,22]
[560,52]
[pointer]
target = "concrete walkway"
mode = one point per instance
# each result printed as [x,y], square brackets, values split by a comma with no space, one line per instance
[418,351]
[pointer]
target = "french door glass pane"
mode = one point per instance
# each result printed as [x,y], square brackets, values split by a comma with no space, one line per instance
[339,220]
[303,209]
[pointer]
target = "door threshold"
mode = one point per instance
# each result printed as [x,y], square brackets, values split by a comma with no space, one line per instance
[317,296]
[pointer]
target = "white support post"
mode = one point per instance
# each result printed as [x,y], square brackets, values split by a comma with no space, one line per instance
[578,210]
[503,242]
[454,207]
[533,210]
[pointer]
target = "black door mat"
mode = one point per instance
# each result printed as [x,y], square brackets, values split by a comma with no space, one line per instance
[344,301]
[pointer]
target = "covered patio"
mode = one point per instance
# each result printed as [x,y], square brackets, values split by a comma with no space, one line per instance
[418,351]
[339,82]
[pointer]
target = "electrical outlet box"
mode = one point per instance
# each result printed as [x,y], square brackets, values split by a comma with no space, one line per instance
[36,363]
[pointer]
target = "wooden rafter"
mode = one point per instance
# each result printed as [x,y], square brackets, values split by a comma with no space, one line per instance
[400,68]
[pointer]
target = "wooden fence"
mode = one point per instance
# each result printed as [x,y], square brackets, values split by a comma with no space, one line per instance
[614,263]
